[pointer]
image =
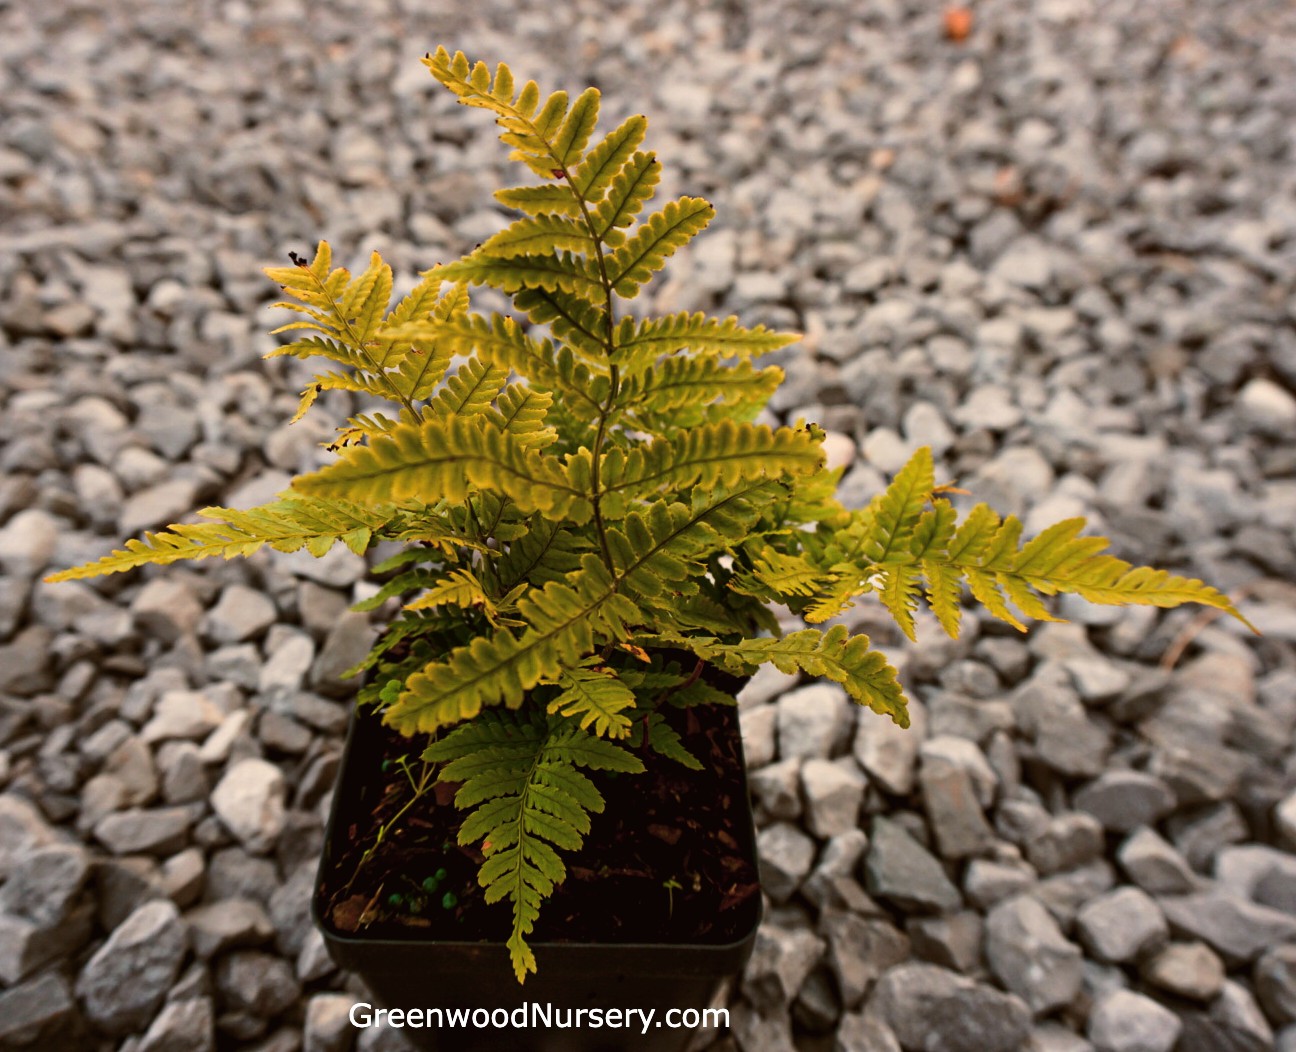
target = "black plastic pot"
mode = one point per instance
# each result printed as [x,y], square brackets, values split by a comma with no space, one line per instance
[412,972]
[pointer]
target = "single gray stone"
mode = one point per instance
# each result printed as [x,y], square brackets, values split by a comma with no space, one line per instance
[757,726]
[1155,866]
[932,1009]
[46,884]
[859,950]
[1073,745]
[328,1023]
[780,961]
[229,924]
[127,978]
[833,792]
[1028,953]
[967,755]
[1236,1013]
[290,655]
[813,720]
[861,1030]
[151,831]
[987,881]
[1071,839]
[256,983]
[887,752]
[182,1026]
[346,645]
[167,608]
[157,506]
[1186,969]
[1275,983]
[1123,1021]
[901,870]
[132,765]
[28,540]
[953,811]
[1121,925]
[1238,930]
[776,789]
[837,861]
[35,1009]
[182,714]
[1125,800]
[26,946]
[249,799]
[241,613]
[785,855]
[952,942]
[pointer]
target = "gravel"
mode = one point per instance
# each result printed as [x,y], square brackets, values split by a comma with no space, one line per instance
[1062,253]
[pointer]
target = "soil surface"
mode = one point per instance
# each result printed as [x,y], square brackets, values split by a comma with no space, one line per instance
[668,860]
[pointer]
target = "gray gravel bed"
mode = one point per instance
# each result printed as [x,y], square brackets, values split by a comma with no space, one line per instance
[1062,253]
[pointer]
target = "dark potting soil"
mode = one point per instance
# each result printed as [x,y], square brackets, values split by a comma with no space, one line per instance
[668,860]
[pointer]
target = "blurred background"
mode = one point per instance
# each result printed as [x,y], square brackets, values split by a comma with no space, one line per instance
[1055,241]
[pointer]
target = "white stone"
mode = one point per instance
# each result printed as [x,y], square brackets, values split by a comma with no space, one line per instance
[188,714]
[249,799]
[1265,406]
[1123,1021]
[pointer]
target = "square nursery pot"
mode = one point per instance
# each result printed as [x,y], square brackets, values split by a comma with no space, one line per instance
[598,944]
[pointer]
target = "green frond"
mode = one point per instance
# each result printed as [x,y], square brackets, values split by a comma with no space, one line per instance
[896,511]
[779,576]
[522,778]
[690,391]
[548,199]
[500,340]
[658,236]
[834,654]
[608,157]
[545,552]
[840,591]
[724,452]
[285,525]
[577,127]
[462,589]
[365,301]
[944,589]
[595,697]
[316,347]
[899,592]
[664,740]
[568,618]
[471,389]
[563,271]
[638,344]
[520,411]
[631,188]
[573,320]
[538,235]
[443,459]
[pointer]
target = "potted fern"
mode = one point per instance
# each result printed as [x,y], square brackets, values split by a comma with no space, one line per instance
[593,533]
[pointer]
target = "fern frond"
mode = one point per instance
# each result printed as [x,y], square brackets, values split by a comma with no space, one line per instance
[548,199]
[834,654]
[573,320]
[443,459]
[286,526]
[595,697]
[724,452]
[523,779]
[546,552]
[520,411]
[469,391]
[664,740]
[895,512]
[601,165]
[631,188]
[658,236]
[462,589]
[568,617]
[638,344]
[563,271]
[538,235]
[500,340]
[693,390]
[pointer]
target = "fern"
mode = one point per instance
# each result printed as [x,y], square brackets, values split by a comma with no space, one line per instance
[521,777]
[579,488]
[286,526]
